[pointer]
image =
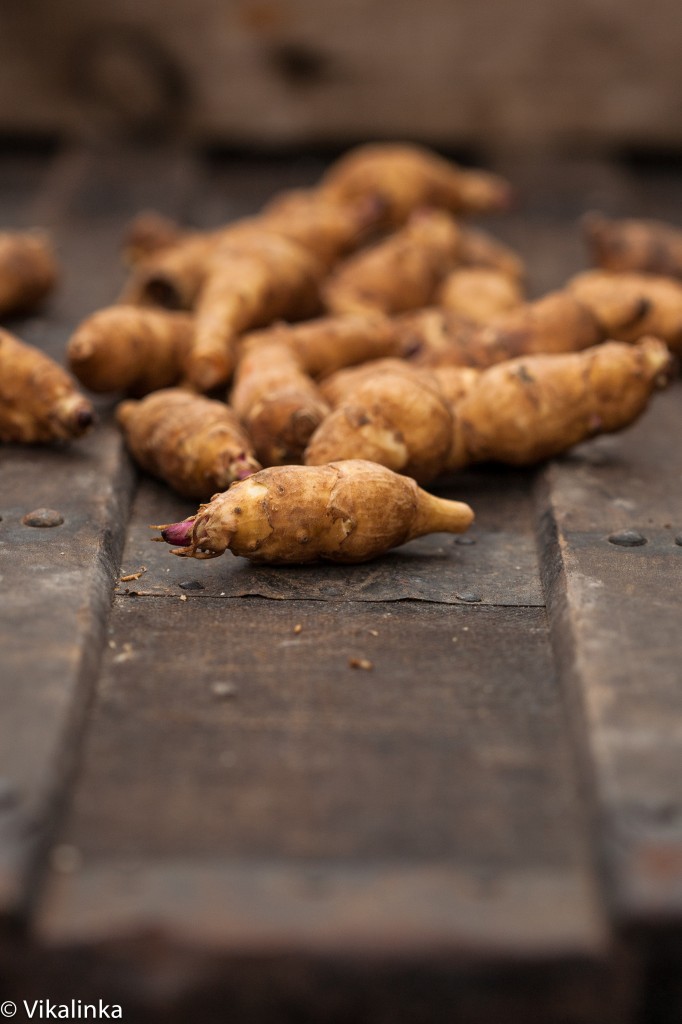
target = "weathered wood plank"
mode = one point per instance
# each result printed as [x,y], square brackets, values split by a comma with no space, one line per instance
[421,814]
[519,75]
[615,615]
[54,598]
[57,583]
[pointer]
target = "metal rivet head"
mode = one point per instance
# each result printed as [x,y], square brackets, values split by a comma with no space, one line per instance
[627,539]
[191,585]
[468,596]
[43,517]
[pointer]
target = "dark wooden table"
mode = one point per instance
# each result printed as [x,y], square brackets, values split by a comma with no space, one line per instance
[206,814]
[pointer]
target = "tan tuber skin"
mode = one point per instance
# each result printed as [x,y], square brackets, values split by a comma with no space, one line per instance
[39,401]
[479,293]
[345,512]
[399,273]
[404,177]
[630,306]
[535,407]
[646,246]
[148,234]
[171,265]
[278,403]
[557,322]
[192,443]
[171,276]
[28,270]
[130,349]
[251,282]
[480,249]
[387,412]
[329,343]
[520,411]
[327,230]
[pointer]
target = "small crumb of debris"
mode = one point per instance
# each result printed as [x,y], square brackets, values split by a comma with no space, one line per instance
[133,575]
[223,691]
[66,859]
[455,639]
[112,644]
[363,663]
[222,593]
[43,517]
[183,597]
[465,629]
[125,654]
[373,632]
[298,627]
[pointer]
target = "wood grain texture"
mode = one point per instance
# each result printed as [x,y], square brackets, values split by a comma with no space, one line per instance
[615,614]
[289,805]
[495,75]
[56,584]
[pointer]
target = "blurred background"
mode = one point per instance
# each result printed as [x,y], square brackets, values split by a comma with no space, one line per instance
[479,78]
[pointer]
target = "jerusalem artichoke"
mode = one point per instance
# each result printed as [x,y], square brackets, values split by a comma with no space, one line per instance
[403,177]
[535,407]
[630,306]
[39,401]
[28,270]
[479,293]
[130,349]
[389,413]
[519,411]
[344,512]
[648,246]
[557,322]
[252,281]
[277,402]
[401,272]
[193,443]
[329,343]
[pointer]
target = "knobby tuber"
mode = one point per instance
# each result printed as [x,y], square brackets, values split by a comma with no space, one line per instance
[480,249]
[171,265]
[277,402]
[193,443]
[479,293]
[28,270]
[629,306]
[327,230]
[399,273]
[344,512]
[648,246]
[147,234]
[329,343]
[558,322]
[389,413]
[532,408]
[519,411]
[39,400]
[251,282]
[130,349]
[403,177]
